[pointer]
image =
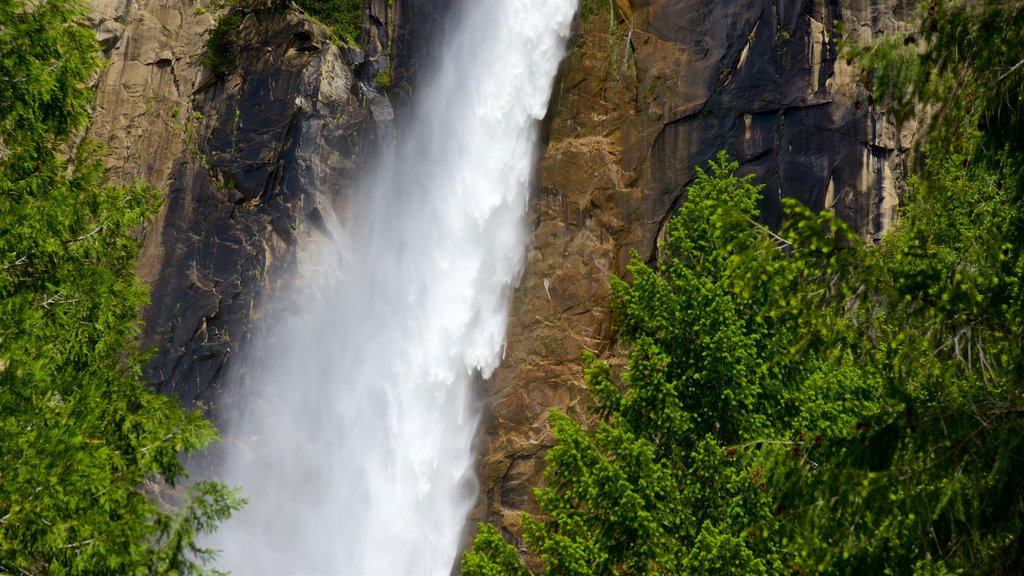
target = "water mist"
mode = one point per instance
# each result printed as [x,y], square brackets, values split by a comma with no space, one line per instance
[356,447]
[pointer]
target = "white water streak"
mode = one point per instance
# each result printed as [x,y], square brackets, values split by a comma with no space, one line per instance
[357,451]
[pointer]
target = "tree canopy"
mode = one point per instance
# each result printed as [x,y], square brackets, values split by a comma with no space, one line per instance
[795,401]
[81,438]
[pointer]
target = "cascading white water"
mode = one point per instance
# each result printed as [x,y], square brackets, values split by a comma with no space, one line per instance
[356,452]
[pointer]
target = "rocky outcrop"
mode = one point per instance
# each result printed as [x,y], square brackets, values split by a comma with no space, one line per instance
[249,162]
[650,89]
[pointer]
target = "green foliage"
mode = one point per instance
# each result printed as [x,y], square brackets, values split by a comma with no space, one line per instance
[491,556]
[963,57]
[800,402]
[37,106]
[590,8]
[344,18]
[80,434]
[222,45]
[207,504]
[734,366]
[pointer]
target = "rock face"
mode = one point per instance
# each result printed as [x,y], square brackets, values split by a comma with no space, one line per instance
[650,89]
[248,162]
[419,30]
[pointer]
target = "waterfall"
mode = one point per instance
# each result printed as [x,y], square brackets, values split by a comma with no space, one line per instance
[356,448]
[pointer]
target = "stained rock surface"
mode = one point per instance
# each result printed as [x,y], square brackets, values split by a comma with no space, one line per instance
[649,89]
[248,161]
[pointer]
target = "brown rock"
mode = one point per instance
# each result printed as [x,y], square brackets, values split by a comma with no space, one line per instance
[647,92]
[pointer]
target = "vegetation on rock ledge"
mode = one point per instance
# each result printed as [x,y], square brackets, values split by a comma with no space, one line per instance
[342,18]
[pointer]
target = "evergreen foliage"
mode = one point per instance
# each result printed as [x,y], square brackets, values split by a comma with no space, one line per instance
[222,44]
[342,18]
[798,402]
[80,436]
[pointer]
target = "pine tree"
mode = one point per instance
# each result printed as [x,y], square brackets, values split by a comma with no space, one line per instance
[80,435]
[797,402]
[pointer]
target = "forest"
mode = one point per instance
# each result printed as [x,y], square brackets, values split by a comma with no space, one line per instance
[794,400]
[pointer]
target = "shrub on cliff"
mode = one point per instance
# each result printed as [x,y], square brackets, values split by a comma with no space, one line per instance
[342,18]
[81,438]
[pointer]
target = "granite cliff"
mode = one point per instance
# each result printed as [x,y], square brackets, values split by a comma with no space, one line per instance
[650,89]
[249,161]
